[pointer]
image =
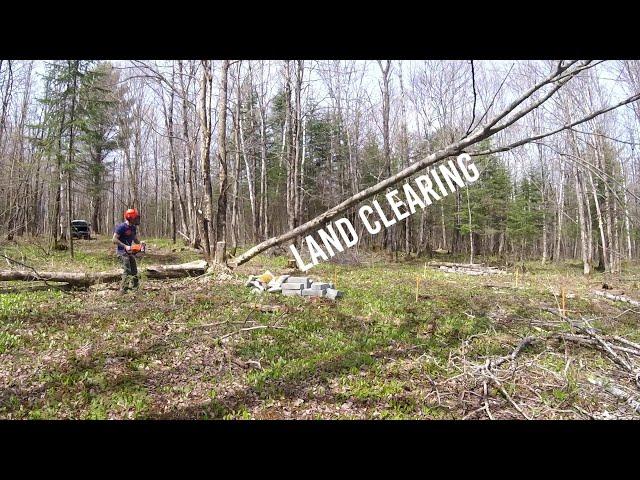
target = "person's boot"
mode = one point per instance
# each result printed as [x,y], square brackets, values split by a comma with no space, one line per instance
[135,282]
[124,284]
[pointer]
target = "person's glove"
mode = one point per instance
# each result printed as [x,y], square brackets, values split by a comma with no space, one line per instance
[127,248]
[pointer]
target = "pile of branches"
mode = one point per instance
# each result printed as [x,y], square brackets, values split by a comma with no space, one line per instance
[485,388]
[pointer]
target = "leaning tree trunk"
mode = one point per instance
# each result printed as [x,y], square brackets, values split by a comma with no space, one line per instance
[497,124]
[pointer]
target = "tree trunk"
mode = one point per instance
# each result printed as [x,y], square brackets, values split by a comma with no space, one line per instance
[560,214]
[205,160]
[386,148]
[70,160]
[221,217]
[582,223]
[79,279]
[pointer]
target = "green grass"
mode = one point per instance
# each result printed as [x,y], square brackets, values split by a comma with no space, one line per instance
[372,354]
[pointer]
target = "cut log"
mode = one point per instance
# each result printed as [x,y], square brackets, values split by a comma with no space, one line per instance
[190,269]
[24,288]
[453,264]
[82,279]
[466,268]
[78,279]
[616,392]
[617,298]
[462,270]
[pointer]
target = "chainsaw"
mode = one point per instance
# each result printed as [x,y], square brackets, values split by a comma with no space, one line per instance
[137,248]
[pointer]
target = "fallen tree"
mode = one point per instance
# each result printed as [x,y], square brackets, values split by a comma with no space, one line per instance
[507,117]
[78,279]
[84,279]
[197,267]
[617,298]
[616,392]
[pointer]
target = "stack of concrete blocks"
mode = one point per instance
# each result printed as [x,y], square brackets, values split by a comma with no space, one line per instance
[297,286]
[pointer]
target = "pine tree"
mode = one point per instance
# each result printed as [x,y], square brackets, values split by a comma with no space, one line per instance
[489,202]
[524,220]
[98,122]
[62,122]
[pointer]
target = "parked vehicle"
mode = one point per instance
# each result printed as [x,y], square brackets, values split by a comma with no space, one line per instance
[80,229]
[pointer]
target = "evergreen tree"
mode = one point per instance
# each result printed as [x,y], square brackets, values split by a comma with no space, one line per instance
[489,201]
[524,221]
[62,122]
[98,127]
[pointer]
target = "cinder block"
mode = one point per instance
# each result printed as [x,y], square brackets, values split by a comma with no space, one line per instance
[293,286]
[333,294]
[319,286]
[311,292]
[304,280]
[292,293]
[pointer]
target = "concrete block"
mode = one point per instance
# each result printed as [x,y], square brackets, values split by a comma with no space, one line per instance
[319,286]
[293,286]
[304,280]
[333,294]
[311,292]
[274,289]
[292,293]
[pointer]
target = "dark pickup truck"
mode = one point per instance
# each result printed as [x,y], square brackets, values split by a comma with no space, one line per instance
[80,229]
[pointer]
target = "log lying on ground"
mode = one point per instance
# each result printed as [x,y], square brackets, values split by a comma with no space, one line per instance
[77,279]
[453,264]
[617,298]
[590,342]
[197,267]
[25,288]
[466,268]
[616,392]
[82,279]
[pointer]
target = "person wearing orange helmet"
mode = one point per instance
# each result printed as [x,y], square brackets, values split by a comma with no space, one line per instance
[124,236]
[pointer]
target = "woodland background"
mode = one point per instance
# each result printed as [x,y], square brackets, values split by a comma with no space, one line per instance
[246,150]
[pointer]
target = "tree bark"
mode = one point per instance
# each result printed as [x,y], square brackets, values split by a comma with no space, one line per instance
[205,158]
[582,223]
[82,279]
[221,217]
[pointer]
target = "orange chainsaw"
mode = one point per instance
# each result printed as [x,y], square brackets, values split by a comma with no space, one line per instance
[137,248]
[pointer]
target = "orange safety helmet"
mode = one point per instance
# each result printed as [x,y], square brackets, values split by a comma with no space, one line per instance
[131,214]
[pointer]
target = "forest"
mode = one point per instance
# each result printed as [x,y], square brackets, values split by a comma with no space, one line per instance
[514,295]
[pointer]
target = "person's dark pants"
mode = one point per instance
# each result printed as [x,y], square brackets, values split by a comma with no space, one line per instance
[130,272]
